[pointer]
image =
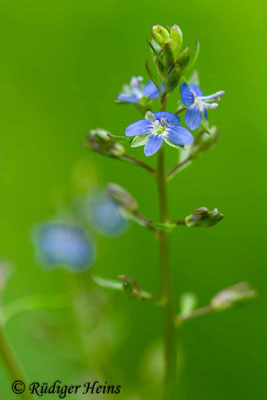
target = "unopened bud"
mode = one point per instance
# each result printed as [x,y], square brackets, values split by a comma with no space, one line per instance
[160,34]
[202,217]
[102,142]
[172,79]
[166,44]
[122,197]
[184,58]
[233,296]
[176,40]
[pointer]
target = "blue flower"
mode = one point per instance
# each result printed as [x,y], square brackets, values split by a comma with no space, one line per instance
[59,244]
[157,127]
[106,217]
[197,104]
[134,92]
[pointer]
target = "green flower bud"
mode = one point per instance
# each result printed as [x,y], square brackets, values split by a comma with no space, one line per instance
[184,58]
[202,217]
[122,197]
[233,296]
[204,142]
[166,56]
[172,79]
[176,40]
[166,44]
[160,34]
[100,140]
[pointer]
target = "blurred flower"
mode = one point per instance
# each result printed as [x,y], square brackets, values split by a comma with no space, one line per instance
[202,217]
[232,296]
[197,104]
[135,91]
[59,244]
[157,127]
[106,217]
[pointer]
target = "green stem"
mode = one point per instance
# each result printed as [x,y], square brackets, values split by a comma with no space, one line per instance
[11,364]
[166,288]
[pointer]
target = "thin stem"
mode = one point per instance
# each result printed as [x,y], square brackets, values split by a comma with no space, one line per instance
[11,364]
[194,314]
[180,110]
[166,288]
[145,221]
[125,157]
[178,168]
[140,163]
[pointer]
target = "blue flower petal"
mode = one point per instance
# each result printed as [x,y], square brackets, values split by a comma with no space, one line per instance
[141,127]
[150,90]
[179,135]
[153,144]
[196,90]
[171,118]
[186,94]
[193,118]
[59,244]
[127,98]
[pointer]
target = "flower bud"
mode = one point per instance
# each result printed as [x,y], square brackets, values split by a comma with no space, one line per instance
[122,197]
[176,40]
[184,58]
[166,44]
[172,79]
[160,34]
[233,296]
[202,217]
[102,142]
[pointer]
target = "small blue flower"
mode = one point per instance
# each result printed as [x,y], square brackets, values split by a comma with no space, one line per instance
[134,92]
[59,244]
[197,104]
[157,127]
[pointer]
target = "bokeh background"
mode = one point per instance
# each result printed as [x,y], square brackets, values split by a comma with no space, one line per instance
[62,63]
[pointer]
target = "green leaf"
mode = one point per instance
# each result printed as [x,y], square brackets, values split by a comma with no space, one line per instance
[108,283]
[163,227]
[176,146]
[139,140]
[120,139]
[152,77]
[194,60]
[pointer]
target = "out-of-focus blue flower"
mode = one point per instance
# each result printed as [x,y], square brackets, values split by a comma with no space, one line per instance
[106,218]
[135,91]
[157,127]
[197,104]
[59,244]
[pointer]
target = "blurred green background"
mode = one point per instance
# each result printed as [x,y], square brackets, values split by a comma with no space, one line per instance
[62,63]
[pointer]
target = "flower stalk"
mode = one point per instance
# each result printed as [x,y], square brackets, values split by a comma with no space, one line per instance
[11,364]
[166,287]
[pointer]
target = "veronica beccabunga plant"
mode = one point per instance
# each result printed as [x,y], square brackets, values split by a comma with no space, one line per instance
[156,129]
